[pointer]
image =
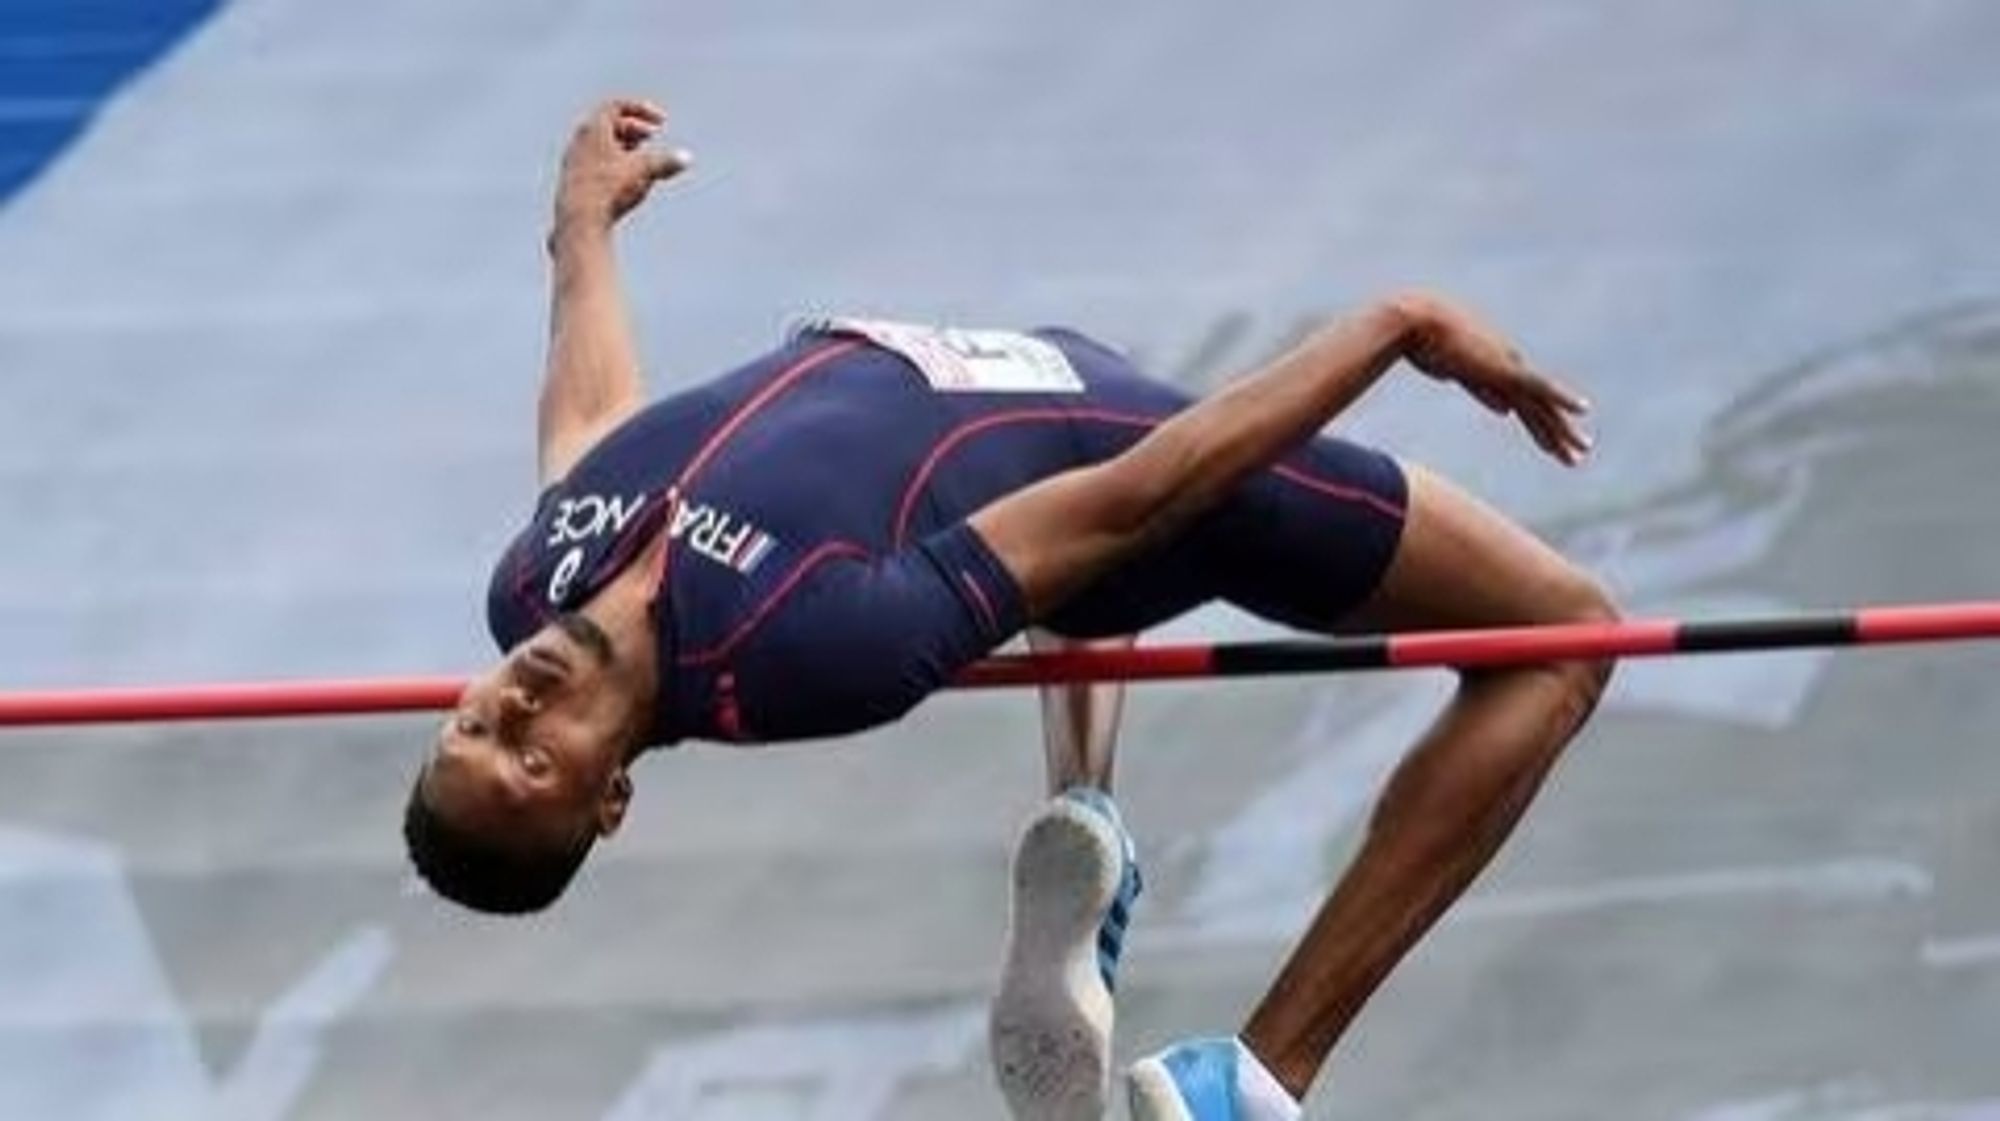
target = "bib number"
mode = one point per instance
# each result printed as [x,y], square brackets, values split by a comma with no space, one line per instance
[956,360]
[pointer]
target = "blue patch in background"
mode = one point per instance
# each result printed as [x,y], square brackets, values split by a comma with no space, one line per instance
[60,59]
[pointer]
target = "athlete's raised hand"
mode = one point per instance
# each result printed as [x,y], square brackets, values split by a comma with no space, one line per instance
[1452,344]
[609,166]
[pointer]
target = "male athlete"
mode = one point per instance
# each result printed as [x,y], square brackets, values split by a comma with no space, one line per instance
[811,544]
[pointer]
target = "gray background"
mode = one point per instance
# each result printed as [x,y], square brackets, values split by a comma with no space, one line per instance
[269,336]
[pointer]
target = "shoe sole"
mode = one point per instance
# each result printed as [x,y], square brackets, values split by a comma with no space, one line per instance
[1152,1095]
[1050,1028]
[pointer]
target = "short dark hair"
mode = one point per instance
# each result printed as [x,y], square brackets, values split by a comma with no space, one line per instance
[473,871]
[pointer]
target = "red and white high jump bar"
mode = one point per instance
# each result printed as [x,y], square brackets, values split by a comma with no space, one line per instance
[1640,638]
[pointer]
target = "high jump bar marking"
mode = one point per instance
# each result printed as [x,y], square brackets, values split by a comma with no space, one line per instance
[1638,638]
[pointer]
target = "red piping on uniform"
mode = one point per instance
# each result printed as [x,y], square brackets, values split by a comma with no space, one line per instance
[1335,490]
[762,397]
[970,428]
[805,365]
[979,595]
[963,432]
[799,571]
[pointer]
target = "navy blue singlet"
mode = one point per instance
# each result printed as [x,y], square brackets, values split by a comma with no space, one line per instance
[820,577]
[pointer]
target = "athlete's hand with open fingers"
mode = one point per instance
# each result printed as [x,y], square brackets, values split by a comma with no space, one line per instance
[609,165]
[1452,344]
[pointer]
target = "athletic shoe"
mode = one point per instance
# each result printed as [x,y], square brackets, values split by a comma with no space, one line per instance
[1075,879]
[1206,1080]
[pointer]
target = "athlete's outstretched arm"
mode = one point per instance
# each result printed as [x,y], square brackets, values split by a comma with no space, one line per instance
[1058,535]
[593,379]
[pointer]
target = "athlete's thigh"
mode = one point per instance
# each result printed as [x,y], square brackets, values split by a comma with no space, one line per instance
[1462,564]
[1306,542]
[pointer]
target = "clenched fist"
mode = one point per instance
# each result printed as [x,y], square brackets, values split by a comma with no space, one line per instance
[608,167]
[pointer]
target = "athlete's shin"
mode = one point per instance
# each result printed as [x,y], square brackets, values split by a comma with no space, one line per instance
[1444,814]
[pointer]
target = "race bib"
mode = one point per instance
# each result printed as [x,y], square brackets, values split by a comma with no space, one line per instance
[955,360]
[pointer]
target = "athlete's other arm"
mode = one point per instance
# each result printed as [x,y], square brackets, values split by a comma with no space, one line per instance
[1079,718]
[593,379]
[1056,536]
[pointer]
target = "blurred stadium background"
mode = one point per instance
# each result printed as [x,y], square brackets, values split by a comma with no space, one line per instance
[271,307]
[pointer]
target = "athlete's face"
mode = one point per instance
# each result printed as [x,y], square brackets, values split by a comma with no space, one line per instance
[536,749]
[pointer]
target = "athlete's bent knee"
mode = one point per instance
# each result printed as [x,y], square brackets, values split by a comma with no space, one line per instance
[1579,598]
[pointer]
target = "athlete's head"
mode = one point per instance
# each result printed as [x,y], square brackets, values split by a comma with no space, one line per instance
[528,771]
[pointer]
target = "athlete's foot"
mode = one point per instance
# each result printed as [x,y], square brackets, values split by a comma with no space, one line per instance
[1206,1080]
[1075,880]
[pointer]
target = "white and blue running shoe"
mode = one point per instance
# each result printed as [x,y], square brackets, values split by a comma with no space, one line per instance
[1206,1080]
[1076,877]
